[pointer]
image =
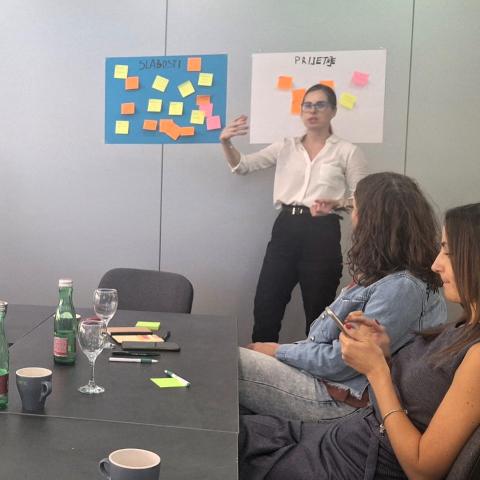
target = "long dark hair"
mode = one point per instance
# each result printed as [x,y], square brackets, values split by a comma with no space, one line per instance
[462,229]
[396,230]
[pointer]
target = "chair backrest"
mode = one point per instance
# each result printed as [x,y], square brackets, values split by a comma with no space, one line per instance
[150,290]
[467,464]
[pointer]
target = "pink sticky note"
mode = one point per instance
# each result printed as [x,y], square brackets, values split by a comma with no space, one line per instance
[207,108]
[214,123]
[360,78]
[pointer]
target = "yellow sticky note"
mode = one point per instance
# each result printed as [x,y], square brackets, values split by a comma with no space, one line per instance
[154,105]
[205,79]
[167,382]
[175,108]
[121,127]
[121,71]
[198,117]
[347,100]
[186,88]
[149,325]
[160,83]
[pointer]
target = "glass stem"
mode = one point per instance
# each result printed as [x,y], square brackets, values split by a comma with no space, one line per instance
[92,379]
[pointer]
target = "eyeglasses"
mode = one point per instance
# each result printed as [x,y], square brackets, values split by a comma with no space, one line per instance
[309,106]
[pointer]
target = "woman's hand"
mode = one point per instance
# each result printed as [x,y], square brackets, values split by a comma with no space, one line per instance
[268,348]
[364,348]
[236,127]
[372,328]
[323,206]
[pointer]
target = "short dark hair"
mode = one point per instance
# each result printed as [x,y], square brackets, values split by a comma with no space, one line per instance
[396,230]
[331,97]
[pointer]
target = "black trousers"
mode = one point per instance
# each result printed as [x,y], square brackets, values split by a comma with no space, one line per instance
[303,249]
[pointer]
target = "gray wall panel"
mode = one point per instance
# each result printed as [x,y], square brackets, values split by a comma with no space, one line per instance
[215,226]
[71,205]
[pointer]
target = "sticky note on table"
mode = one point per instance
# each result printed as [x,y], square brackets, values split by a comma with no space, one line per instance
[347,100]
[205,79]
[132,83]
[121,71]
[202,99]
[168,382]
[214,122]
[207,108]
[194,64]
[127,108]
[360,78]
[186,88]
[175,108]
[154,105]
[149,325]
[197,117]
[284,82]
[160,83]
[152,126]
[121,127]
[328,83]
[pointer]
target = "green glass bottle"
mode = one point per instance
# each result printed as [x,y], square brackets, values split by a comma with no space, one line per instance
[65,325]
[4,360]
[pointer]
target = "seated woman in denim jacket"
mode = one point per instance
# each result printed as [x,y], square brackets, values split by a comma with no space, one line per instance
[425,401]
[394,242]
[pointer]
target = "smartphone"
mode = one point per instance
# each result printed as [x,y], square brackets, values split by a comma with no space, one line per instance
[339,323]
[151,346]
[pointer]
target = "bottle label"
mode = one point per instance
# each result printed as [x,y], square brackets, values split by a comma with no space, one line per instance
[60,346]
[4,384]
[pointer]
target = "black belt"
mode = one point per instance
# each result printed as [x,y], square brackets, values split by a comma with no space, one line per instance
[296,209]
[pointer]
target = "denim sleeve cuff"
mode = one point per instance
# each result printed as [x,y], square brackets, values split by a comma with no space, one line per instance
[282,352]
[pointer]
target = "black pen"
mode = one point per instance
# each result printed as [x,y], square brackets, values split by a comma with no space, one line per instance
[167,336]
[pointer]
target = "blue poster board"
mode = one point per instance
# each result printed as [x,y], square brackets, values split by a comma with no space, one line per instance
[169,99]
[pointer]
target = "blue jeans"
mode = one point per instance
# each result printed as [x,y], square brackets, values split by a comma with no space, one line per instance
[270,387]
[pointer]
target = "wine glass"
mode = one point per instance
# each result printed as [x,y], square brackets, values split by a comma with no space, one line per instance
[91,338]
[105,303]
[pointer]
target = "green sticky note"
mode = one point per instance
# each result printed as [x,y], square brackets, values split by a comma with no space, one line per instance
[167,382]
[149,325]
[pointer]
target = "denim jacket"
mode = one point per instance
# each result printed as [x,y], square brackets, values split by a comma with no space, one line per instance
[401,302]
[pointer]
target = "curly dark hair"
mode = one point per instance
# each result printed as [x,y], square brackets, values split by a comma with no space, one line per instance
[396,230]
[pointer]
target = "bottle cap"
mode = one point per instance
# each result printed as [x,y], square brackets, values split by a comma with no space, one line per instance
[65,282]
[3,306]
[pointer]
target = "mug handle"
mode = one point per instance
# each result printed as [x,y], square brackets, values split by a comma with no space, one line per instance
[46,389]
[104,466]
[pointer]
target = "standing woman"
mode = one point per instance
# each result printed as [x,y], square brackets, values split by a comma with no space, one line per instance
[315,174]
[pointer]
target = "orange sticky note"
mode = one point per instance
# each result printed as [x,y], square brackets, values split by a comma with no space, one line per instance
[328,83]
[284,82]
[150,125]
[202,99]
[187,131]
[132,83]
[194,64]
[127,108]
[298,94]
[170,128]
[296,108]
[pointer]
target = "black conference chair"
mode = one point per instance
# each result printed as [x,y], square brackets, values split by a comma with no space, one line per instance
[467,464]
[149,290]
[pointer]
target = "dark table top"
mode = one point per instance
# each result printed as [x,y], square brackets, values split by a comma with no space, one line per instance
[22,319]
[43,448]
[208,359]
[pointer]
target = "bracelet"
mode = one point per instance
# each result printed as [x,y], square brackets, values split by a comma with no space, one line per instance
[382,425]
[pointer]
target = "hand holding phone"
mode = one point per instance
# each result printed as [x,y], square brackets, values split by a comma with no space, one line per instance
[339,323]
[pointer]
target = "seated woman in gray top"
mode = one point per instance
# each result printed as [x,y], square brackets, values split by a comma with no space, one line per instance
[426,401]
[394,242]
